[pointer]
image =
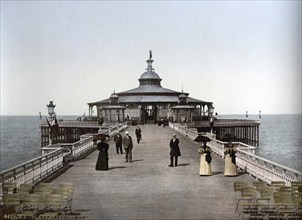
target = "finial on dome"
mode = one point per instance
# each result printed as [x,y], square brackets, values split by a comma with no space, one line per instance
[149,61]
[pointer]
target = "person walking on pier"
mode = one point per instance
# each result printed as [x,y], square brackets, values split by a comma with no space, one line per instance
[118,140]
[174,150]
[230,168]
[128,145]
[138,133]
[102,162]
[205,160]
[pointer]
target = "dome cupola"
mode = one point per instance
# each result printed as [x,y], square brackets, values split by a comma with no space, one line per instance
[149,77]
[182,99]
[113,100]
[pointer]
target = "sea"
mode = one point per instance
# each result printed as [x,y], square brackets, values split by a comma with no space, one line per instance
[280,138]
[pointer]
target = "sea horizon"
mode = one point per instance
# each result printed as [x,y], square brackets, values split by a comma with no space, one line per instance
[214,115]
[280,138]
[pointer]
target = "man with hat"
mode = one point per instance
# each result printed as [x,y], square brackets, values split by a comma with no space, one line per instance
[118,139]
[138,133]
[128,145]
[174,150]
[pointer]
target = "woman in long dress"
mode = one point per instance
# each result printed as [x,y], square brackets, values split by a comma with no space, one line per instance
[102,162]
[205,160]
[230,168]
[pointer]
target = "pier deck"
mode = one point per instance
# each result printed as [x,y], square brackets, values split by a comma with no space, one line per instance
[148,188]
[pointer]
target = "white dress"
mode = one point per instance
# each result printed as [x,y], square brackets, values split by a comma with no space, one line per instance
[230,169]
[205,167]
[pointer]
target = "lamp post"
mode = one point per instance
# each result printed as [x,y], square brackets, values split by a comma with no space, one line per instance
[51,112]
[211,112]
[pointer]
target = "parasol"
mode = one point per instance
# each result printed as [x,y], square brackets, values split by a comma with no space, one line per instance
[229,137]
[202,138]
[100,137]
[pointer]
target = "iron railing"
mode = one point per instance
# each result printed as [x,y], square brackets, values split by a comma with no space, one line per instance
[246,160]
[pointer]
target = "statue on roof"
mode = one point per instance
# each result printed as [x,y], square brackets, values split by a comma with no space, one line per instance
[150,56]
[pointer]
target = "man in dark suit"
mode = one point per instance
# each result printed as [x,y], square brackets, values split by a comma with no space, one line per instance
[128,145]
[138,133]
[174,150]
[118,139]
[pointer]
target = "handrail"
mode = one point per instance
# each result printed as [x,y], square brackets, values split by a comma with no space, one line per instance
[227,122]
[34,170]
[78,148]
[85,144]
[260,168]
[39,168]
[266,170]
[73,123]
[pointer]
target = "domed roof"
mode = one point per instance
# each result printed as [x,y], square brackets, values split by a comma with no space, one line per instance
[182,99]
[149,75]
[114,95]
[113,99]
[182,95]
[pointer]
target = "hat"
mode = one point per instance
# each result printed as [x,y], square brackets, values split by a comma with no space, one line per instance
[173,135]
[126,132]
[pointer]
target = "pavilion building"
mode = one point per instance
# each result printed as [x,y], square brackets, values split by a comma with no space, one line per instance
[150,102]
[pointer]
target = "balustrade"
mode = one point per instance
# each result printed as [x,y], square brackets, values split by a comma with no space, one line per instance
[246,160]
[52,159]
[34,170]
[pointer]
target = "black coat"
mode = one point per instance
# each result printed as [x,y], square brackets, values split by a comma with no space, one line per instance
[118,139]
[102,162]
[174,148]
[138,132]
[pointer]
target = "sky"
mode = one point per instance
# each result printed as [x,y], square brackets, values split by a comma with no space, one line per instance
[240,55]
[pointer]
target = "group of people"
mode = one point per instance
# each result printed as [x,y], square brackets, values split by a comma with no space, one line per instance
[204,151]
[120,142]
[230,168]
[206,158]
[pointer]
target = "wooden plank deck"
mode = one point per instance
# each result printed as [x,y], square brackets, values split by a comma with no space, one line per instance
[148,188]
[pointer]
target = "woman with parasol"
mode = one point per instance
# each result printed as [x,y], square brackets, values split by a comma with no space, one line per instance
[205,156]
[102,162]
[230,168]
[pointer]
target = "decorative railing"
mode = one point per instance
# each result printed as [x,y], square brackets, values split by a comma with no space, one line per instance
[73,123]
[52,159]
[84,145]
[266,170]
[78,148]
[246,160]
[192,132]
[72,150]
[226,122]
[34,170]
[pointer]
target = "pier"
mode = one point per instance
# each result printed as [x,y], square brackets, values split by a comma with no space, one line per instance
[246,131]
[147,188]
[69,131]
